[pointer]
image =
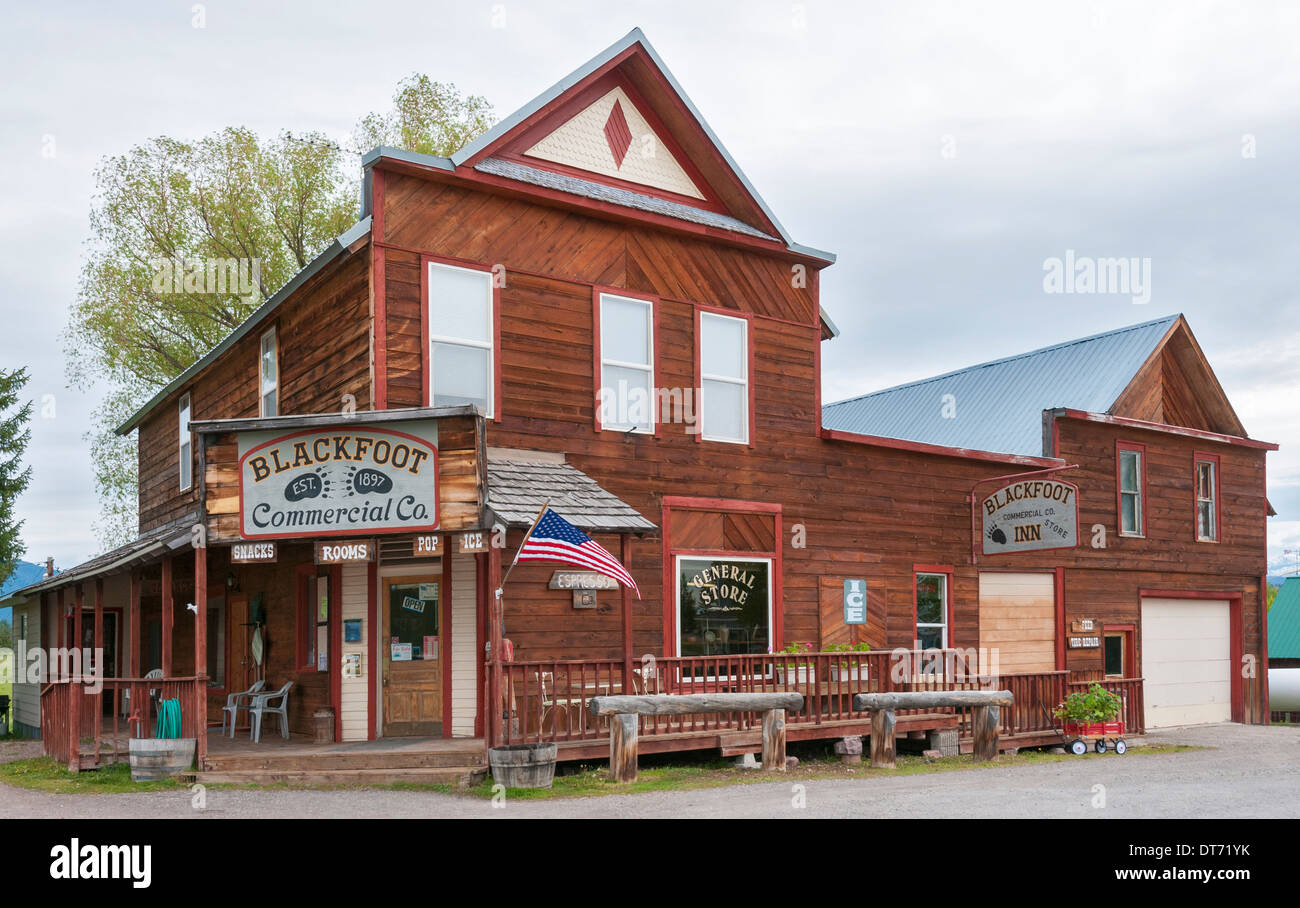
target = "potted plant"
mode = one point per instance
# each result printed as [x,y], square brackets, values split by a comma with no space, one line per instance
[850,670]
[798,672]
[1091,712]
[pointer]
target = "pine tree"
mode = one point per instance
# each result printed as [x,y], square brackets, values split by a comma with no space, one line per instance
[14,477]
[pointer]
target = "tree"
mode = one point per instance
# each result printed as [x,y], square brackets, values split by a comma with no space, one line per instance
[1271,592]
[15,433]
[188,238]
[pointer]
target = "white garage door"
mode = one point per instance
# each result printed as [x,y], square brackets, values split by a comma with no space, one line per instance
[1018,620]
[1186,662]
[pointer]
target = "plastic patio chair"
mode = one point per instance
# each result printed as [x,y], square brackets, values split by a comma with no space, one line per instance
[234,703]
[550,704]
[260,704]
[155,674]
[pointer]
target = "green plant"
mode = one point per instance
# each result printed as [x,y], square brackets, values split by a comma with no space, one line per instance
[794,649]
[847,648]
[1096,704]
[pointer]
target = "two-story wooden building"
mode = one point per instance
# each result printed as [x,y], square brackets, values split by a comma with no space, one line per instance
[591,306]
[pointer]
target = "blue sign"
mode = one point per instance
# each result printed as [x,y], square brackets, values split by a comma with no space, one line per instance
[855,602]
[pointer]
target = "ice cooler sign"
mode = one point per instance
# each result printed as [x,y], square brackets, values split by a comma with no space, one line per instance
[344,481]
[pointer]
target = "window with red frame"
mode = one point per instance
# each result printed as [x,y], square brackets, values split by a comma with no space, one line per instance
[1207,499]
[313,621]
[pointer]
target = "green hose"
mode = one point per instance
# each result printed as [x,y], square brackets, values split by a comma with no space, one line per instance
[169,719]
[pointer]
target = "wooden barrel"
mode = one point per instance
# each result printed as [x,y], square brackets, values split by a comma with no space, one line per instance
[523,765]
[153,759]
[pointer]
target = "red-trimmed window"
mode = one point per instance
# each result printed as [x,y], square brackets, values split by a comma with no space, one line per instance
[1131,485]
[1207,497]
[626,379]
[724,378]
[313,619]
[185,451]
[268,368]
[932,593]
[462,333]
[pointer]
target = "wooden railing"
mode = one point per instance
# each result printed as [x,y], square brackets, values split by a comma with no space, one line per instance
[130,703]
[547,700]
[1129,691]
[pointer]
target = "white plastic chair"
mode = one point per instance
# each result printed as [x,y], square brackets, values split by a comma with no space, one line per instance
[261,703]
[234,703]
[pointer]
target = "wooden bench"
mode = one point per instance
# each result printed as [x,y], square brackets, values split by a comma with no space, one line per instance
[986,716]
[625,710]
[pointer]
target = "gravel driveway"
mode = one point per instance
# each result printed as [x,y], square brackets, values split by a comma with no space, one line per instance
[1248,771]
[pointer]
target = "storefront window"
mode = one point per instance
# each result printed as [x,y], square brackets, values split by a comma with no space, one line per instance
[724,605]
[932,611]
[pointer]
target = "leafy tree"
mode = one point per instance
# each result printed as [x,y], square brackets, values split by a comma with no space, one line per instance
[15,432]
[153,296]
[1272,592]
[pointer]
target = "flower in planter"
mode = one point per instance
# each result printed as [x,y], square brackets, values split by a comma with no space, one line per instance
[1093,706]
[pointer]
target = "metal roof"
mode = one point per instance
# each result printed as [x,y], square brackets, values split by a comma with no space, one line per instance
[517,489]
[331,252]
[1284,622]
[999,405]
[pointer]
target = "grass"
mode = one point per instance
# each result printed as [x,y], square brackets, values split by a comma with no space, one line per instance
[658,772]
[677,775]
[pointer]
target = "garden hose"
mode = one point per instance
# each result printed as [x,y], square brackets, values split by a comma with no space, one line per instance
[169,719]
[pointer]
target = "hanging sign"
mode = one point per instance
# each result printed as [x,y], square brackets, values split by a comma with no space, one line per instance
[338,482]
[1030,515]
[252,553]
[411,604]
[855,602]
[426,545]
[356,551]
[472,543]
[581,580]
[1084,642]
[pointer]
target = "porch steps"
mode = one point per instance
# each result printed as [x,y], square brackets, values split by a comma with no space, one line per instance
[342,761]
[451,776]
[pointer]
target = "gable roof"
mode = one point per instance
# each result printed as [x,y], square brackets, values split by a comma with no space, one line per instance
[1284,622]
[999,405]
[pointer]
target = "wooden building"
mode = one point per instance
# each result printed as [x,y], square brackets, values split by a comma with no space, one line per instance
[591,306]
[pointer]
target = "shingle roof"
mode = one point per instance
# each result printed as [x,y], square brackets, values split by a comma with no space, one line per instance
[1284,622]
[518,489]
[601,192]
[999,405]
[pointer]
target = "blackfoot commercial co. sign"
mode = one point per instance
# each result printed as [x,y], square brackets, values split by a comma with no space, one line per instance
[339,481]
[1029,515]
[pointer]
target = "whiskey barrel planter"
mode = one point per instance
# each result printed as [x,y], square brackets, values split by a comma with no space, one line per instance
[523,765]
[153,759]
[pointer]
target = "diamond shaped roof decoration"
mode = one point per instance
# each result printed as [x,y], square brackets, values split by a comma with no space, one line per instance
[618,134]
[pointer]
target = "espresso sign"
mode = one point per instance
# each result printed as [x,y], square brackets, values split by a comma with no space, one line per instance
[1030,515]
[581,580]
[339,482]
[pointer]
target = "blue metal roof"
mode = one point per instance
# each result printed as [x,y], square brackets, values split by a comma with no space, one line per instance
[999,405]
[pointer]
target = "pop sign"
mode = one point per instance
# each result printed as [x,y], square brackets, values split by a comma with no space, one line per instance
[339,482]
[1030,515]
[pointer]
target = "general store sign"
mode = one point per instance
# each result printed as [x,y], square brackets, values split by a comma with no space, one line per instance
[1029,515]
[343,481]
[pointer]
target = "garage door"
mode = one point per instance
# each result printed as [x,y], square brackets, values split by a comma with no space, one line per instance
[1186,662]
[1018,620]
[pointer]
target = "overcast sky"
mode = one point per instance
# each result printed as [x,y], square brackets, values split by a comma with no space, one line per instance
[944,151]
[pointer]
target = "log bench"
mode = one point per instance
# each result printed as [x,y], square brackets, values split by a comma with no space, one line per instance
[624,712]
[986,717]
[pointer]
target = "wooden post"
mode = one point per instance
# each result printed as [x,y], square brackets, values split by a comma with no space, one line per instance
[623,747]
[78,642]
[168,615]
[626,552]
[74,687]
[986,720]
[98,704]
[882,739]
[496,615]
[774,740]
[201,653]
[135,637]
[60,619]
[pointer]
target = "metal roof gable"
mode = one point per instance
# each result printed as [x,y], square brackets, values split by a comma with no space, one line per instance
[1284,622]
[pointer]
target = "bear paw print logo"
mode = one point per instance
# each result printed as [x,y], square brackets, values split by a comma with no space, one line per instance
[998,536]
[367,481]
[313,484]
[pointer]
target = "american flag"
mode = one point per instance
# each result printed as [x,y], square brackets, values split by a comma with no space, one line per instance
[555,539]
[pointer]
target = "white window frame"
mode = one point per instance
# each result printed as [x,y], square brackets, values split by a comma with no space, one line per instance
[677,595]
[1136,532]
[489,346]
[1212,501]
[262,389]
[943,586]
[621,364]
[743,382]
[184,444]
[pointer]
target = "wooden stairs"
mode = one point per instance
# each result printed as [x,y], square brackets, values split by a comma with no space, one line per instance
[452,763]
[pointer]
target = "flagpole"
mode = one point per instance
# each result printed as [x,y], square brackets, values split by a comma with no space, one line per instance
[546,504]
[495,694]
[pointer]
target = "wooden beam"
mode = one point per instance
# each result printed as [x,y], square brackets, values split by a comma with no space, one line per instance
[686,704]
[168,616]
[99,663]
[882,739]
[200,705]
[135,637]
[932,699]
[986,720]
[626,593]
[774,740]
[623,748]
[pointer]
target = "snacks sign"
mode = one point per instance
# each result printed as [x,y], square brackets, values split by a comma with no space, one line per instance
[339,482]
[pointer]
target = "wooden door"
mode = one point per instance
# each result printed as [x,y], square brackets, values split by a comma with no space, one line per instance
[411,652]
[239,658]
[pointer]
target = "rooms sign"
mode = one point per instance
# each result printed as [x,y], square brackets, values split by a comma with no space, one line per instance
[339,482]
[1030,515]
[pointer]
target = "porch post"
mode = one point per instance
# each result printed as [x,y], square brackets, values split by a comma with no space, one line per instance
[133,621]
[77,640]
[75,688]
[626,553]
[201,652]
[496,615]
[59,620]
[168,615]
[100,662]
